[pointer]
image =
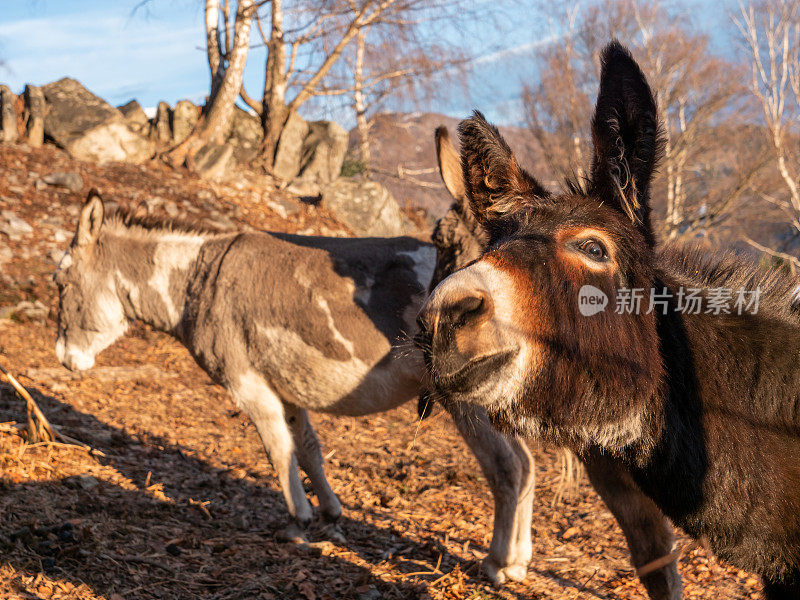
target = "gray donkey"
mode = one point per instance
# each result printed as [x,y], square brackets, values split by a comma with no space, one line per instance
[289,323]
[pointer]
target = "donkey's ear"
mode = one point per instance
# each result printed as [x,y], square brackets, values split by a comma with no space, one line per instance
[450,166]
[627,139]
[91,219]
[495,183]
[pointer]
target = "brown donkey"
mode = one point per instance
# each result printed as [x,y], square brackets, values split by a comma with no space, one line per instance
[676,368]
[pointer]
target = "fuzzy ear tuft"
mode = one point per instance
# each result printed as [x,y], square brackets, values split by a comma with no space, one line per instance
[495,183]
[626,134]
[450,166]
[91,219]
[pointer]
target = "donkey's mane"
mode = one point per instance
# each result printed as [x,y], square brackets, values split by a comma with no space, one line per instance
[698,267]
[124,217]
[576,184]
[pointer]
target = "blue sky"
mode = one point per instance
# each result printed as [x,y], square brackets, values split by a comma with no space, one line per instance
[157,52]
[151,55]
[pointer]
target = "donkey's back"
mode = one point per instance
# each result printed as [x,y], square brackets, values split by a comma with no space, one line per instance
[321,319]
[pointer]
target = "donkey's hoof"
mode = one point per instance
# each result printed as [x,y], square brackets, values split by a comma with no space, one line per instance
[294,534]
[334,533]
[501,574]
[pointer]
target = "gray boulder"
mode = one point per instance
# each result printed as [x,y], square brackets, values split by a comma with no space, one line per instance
[35,311]
[212,160]
[246,136]
[61,179]
[8,115]
[89,128]
[184,117]
[14,227]
[366,207]
[323,152]
[135,116]
[34,116]
[289,153]
[160,129]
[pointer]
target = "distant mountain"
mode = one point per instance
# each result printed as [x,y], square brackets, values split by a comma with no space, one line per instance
[403,156]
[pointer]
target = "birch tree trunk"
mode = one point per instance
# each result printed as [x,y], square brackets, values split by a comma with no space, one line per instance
[274,111]
[214,46]
[772,34]
[359,101]
[220,113]
[214,125]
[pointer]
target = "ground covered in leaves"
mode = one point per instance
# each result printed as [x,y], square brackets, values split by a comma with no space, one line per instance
[177,498]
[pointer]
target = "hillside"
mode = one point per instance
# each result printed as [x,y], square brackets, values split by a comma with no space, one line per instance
[403,155]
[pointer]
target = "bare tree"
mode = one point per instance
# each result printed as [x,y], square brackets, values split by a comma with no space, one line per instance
[321,32]
[771,32]
[359,98]
[693,90]
[227,46]
[396,62]
[307,42]
[559,105]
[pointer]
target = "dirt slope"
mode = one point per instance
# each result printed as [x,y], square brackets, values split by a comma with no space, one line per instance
[180,502]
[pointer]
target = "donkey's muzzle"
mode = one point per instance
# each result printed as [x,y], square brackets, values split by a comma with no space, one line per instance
[456,336]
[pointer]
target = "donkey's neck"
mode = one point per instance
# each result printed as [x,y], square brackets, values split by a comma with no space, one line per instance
[152,271]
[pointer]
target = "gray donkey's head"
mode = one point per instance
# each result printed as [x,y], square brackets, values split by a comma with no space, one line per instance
[458,237]
[91,315]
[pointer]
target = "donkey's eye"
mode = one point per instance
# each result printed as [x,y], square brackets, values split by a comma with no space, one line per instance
[593,249]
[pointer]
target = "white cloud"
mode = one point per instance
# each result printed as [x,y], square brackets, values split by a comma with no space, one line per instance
[513,51]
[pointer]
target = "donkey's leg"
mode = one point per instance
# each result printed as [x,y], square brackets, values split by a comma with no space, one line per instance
[524,513]
[647,530]
[267,412]
[310,458]
[502,466]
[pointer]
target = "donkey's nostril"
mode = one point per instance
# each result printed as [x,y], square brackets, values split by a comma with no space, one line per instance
[472,309]
[451,311]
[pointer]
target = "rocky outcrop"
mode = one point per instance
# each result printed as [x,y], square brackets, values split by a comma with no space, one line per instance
[136,117]
[245,137]
[323,152]
[34,116]
[312,152]
[366,207]
[184,117]
[8,115]
[309,154]
[89,128]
